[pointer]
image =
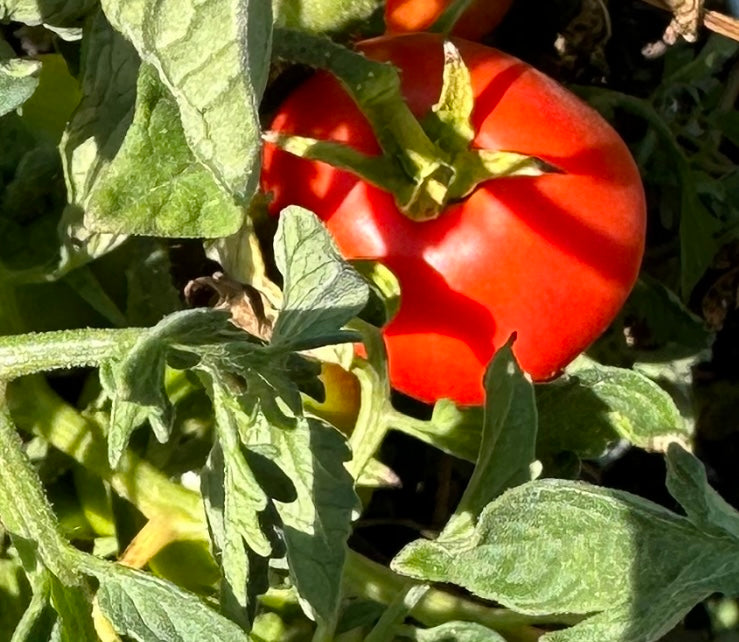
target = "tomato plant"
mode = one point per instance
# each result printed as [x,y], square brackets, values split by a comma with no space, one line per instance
[480,18]
[551,258]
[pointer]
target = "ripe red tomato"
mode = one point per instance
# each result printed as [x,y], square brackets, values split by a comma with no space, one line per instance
[551,257]
[402,16]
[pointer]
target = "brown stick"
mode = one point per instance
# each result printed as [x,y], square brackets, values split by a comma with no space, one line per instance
[712,20]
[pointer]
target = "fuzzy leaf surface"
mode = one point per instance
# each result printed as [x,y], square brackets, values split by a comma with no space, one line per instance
[556,546]
[322,291]
[149,609]
[213,57]
[173,196]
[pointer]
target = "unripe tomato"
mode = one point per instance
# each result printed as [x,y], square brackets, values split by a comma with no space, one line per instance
[551,257]
[343,397]
[482,16]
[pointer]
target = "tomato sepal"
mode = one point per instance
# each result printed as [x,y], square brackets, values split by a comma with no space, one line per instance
[424,166]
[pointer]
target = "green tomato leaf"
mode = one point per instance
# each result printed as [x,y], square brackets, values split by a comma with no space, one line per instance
[454,632]
[507,448]
[87,286]
[38,620]
[135,382]
[244,576]
[323,16]
[155,186]
[150,609]
[50,107]
[29,213]
[698,236]
[687,483]
[454,430]
[16,593]
[271,469]
[669,322]
[572,418]
[317,521]
[244,497]
[647,622]
[374,385]
[94,134]
[52,12]
[636,408]
[73,604]
[322,291]
[18,80]
[213,57]
[151,295]
[556,546]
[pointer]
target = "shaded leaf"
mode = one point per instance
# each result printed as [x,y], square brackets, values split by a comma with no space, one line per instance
[50,107]
[316,525]
[149,609]
[698,243]
[667,319]
[109,68]
[507,448]
[15,594]
[38,620]
[52,12]
[243,576]
[636,408]
[573,418]
[74,607]
[687,483]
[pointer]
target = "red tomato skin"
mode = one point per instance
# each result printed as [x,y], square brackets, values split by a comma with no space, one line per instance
[482,16]
[551,258]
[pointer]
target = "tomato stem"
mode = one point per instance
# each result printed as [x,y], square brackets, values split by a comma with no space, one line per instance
[446,21]
[423,166]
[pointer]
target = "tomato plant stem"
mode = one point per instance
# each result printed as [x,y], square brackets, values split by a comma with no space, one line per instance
[25,354]
[41,411]
[375,87]
[397,611]
[24,509]
[446,21]
[371,426]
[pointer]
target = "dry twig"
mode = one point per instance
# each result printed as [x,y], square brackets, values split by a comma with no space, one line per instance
[712,20]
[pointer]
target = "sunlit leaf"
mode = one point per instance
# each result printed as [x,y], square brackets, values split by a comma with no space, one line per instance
[213,58]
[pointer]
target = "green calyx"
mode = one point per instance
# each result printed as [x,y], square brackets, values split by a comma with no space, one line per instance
[426,165]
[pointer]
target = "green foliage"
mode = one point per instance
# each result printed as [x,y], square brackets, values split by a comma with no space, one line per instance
[217,96]
[533,548]
[176,197]
[146,608]
[319,16]
[18,79]
[176,441]
[454,632]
